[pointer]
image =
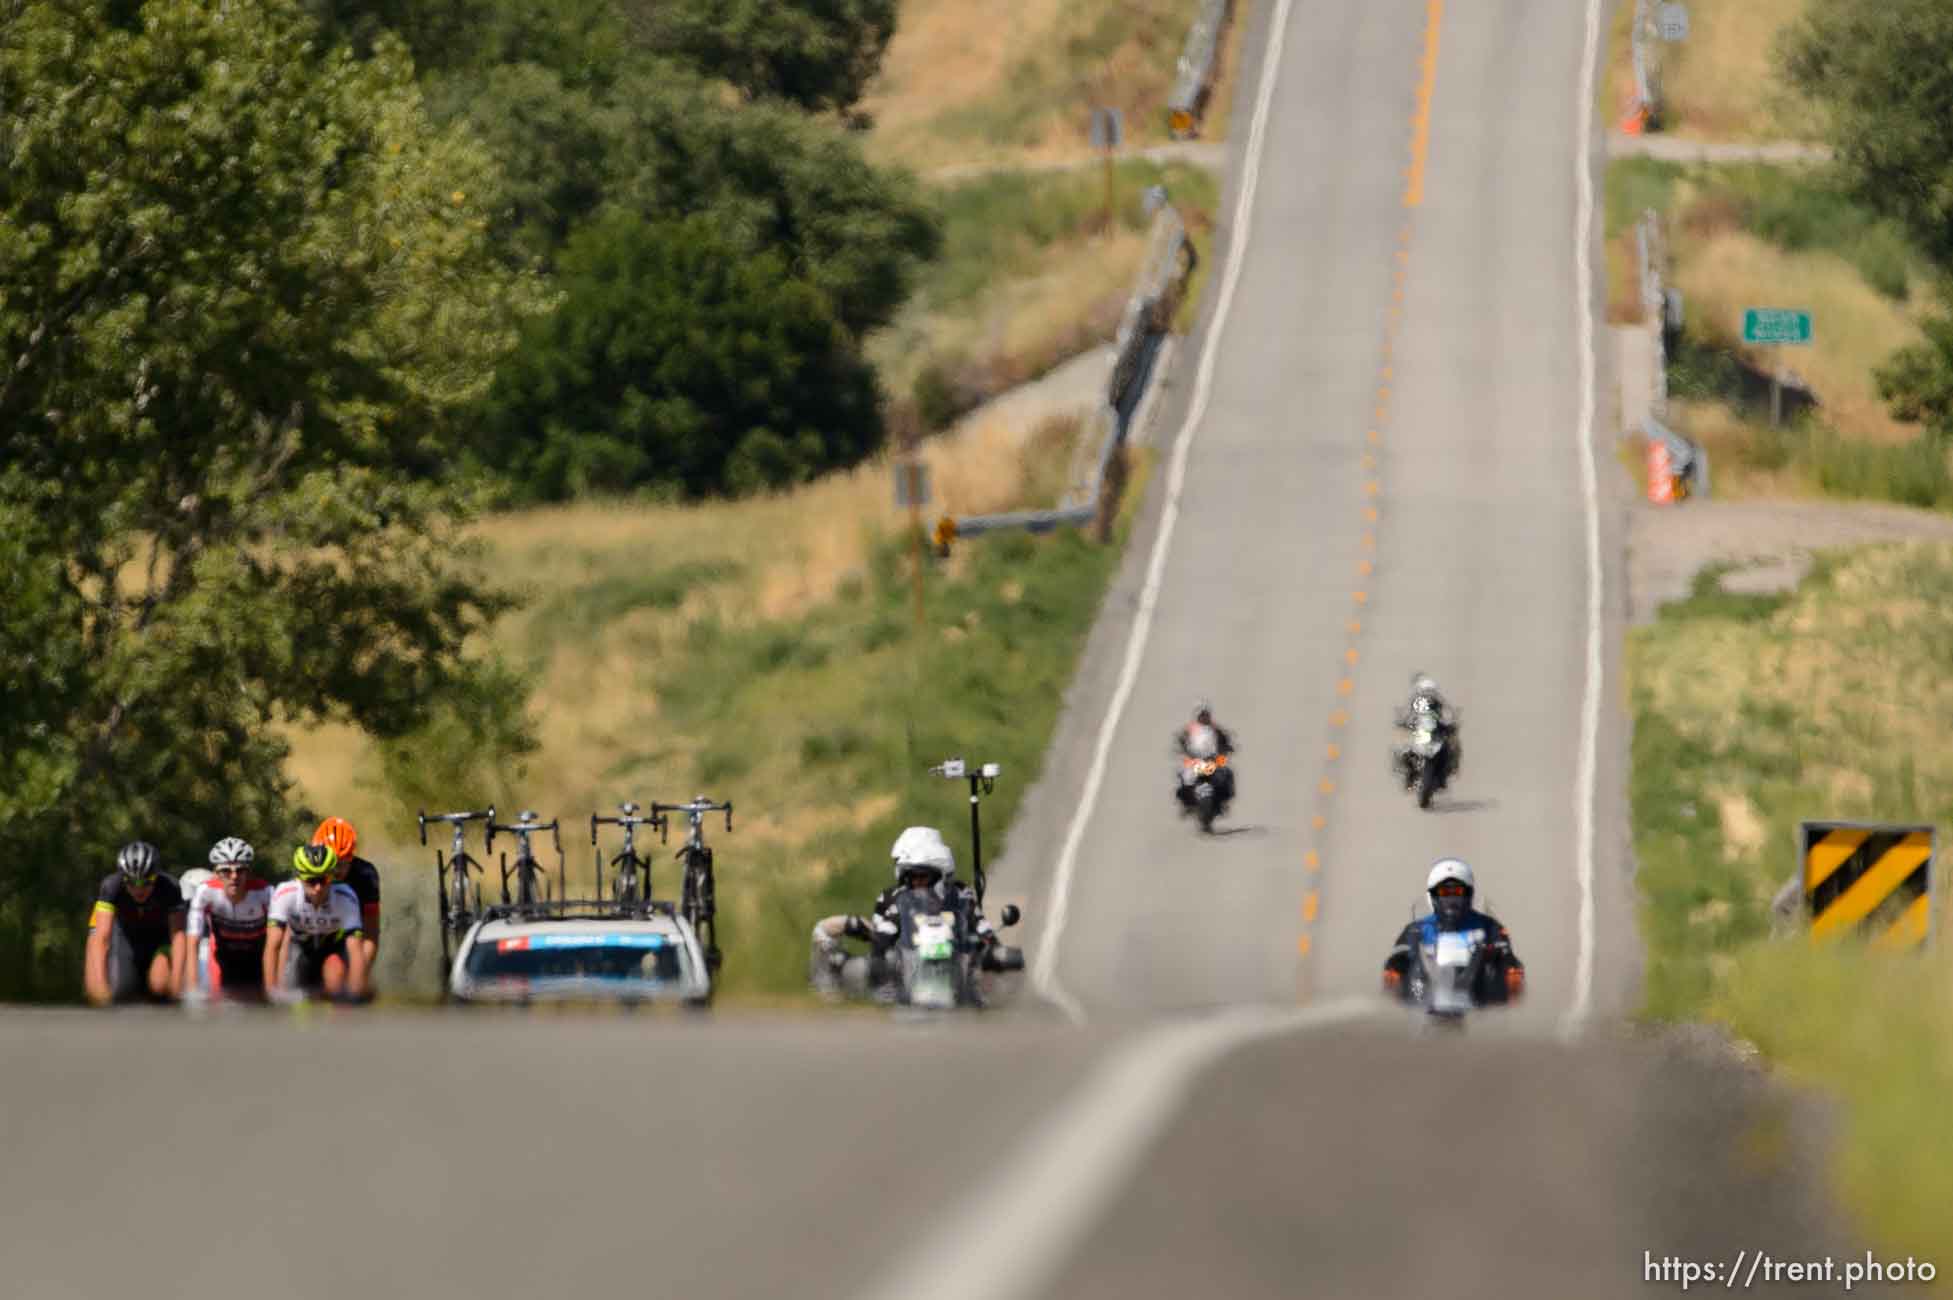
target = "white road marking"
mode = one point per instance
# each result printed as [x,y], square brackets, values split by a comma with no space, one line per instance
[1022,1224]
[1583,785]
[1044,970]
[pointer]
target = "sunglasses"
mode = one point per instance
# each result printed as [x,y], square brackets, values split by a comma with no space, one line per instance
[309,881]
[144,883]
[1452,891]
[232,873]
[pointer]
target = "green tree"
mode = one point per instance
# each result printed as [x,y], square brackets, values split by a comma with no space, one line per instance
[818,54]
[243,283]
[1881,72]
[679,360]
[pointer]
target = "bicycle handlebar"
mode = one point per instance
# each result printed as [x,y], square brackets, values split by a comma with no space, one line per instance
[628,819]
[524,829]
[696,809]
[457,819]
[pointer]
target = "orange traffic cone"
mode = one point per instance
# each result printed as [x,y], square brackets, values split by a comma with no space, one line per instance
[1635,120]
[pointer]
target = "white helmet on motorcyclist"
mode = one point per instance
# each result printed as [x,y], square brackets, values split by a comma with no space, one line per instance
[1450,886]
[922,848]
[1423,684]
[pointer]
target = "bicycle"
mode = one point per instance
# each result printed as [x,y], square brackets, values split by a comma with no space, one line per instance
[697,902]
[459,895]
[626,865]
[528,872]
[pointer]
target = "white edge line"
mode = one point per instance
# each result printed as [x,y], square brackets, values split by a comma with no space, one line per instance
[1044,971]
[1583,810]
[1013,1232]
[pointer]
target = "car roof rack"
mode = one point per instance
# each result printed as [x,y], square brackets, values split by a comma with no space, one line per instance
[581,909]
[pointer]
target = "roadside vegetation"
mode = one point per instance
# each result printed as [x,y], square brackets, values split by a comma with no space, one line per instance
[960,87]
[1029,277]
[1721,83]
[1753,712]
[1862,245]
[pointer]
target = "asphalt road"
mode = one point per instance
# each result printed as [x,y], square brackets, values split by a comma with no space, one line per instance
[1158,1149]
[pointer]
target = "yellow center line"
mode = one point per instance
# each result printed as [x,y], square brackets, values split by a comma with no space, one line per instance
[1421,123]
[1309,906]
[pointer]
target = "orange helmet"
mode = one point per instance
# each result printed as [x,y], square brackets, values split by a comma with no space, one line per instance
[337,834]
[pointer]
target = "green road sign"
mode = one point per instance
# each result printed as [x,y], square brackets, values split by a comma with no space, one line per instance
[1776,325]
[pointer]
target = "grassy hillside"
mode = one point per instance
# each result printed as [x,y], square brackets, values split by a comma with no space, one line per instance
[1751,713]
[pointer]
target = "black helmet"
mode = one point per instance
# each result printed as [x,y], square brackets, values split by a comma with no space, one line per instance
[137,861]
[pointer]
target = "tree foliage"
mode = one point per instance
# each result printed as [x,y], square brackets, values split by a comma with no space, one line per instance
[243,284]
[818,54]
[1881,71]
[678,360]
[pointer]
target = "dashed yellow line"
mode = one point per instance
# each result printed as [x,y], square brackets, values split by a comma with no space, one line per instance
[1309,906]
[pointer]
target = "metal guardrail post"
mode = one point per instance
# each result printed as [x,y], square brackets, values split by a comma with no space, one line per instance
[1193,75]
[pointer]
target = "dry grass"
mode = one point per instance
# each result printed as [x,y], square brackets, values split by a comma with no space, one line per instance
[777,557]
[1856,329]
[1021,326]
[961,83]
[1721,83]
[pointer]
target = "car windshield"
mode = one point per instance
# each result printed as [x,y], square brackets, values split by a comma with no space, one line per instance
[633,958]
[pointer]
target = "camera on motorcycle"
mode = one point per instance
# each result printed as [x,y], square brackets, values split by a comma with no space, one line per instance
[1010,915]
[951,768]
[1003,957]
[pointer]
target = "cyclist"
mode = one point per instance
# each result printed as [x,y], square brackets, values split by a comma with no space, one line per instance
[310,926]
[357,873]
[232,910]
[135,932]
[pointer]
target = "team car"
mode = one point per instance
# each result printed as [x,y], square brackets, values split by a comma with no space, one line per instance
[581,951]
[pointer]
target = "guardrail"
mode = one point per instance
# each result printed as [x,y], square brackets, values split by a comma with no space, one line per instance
[1646,111]
[1662,314]
[1194,75]
[1145,322]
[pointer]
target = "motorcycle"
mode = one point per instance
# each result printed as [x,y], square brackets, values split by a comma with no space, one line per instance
[1424,763]
[938,960]
[1444,975]
[1205,787]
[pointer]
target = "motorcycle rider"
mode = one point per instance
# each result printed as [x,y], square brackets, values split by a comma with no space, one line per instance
[922,860]
[1202,739]
[1427,701]
[1451,886]
[135,942]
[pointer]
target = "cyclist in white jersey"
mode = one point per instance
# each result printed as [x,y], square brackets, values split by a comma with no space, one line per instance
[231,911]
[309,922]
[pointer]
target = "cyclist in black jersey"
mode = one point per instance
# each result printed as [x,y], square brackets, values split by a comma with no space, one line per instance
[135,946]
[355,872]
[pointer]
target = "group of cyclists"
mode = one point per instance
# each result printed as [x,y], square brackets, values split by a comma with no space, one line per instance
[229,933]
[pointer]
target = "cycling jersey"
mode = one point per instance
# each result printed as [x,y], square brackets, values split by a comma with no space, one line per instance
[234,927]
[146,925]
[363,878]
[314,925]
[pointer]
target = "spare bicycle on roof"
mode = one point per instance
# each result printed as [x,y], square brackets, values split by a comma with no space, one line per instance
[697,894]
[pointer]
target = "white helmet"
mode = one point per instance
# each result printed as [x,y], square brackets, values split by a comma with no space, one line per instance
[1423,684]
[231,851]
[1450,869]
[194,879]
[922,846]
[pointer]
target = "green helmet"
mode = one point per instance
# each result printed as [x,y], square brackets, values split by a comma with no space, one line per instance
[313,861]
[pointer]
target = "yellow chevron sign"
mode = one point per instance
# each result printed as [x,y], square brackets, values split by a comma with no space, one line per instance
[1867,876]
